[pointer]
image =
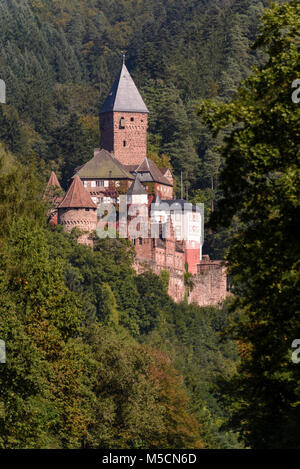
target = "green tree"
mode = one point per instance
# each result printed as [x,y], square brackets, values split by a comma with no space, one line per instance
[70,142]
[260,182]
[41,385]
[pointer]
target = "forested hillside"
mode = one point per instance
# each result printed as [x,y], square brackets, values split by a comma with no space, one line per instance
[59,59]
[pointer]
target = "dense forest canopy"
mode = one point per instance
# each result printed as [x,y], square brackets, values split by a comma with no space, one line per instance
[59,58]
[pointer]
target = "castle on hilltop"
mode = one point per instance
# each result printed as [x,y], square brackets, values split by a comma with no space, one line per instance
[167,233]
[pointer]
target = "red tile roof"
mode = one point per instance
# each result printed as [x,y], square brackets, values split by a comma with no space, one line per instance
[77,196]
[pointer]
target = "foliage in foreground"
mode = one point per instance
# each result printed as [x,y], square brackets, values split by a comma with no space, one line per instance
[95,356]
[260,182]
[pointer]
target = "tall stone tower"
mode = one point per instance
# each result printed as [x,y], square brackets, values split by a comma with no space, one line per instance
[124,121]
[78,210]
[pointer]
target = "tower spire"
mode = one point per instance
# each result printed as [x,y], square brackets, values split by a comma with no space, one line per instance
[124,95]
[124,120]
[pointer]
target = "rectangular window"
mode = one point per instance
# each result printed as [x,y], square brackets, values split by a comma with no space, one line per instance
[93,183]
[106,183]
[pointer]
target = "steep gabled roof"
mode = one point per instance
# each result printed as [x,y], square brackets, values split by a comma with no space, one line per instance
[103,166]
[149,172]
[77,196]
[165,170]
[124,95]
[136,188]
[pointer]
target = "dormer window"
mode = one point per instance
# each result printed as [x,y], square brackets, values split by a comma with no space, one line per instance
[122,123]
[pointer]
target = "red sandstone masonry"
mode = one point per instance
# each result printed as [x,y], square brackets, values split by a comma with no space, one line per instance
[151,255]
[84,220]
[210,284]
[176,284]
[192,257]
[134,134]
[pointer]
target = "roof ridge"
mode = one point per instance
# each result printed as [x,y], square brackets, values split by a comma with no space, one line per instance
[103,165]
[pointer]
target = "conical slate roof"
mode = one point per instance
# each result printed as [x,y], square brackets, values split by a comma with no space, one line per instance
[103,166]
[136,188]
[77,196]
[124,95]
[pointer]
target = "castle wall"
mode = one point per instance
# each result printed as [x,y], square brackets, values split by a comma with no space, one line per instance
[143,248]
[164,192]
[192,258]
[176,282]
[81,218]
[158,255]
[126,138]
[176,286]
[210,284]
